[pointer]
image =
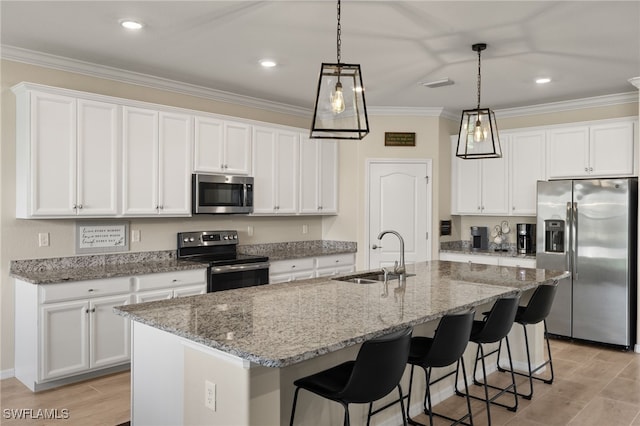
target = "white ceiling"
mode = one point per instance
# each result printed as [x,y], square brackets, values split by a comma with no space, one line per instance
[588,48]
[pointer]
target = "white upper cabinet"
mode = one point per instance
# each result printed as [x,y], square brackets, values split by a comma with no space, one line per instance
[67,156]
[222,146]
[157,157]
[318,176]
[593,150]
[479,186]
[275,171]
[526,167]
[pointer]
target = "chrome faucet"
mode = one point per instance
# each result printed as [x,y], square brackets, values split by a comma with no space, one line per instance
[397,269]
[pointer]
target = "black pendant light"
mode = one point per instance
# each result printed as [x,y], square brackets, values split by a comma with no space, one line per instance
[478,137]
[340,111]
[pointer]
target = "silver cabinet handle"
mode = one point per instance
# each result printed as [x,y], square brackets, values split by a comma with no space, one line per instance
[376,246]
[586,169]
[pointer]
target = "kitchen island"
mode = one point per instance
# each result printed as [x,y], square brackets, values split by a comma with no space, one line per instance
[231,357]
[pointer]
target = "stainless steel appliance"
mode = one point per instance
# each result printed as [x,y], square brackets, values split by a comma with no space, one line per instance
[479,238]
[221,194]
[226,268]
[589,227]
[526,238]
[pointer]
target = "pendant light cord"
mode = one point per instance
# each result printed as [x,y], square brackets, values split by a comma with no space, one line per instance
[479,51]
[339,31]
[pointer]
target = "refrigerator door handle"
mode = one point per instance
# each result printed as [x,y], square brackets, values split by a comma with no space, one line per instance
[568,238]
[574,239]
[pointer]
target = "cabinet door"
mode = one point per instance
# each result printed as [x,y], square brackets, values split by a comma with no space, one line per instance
[309,175]
[64,337]
[192,290]
[53,155]
[328,178]
[174,188]
[264,171]
[109,337]
[527,161]
[97,159]
[611,149]
[568,152]
[140,146]
[237,146]
[467,190]
[494,181]
[287,144]
[208,147]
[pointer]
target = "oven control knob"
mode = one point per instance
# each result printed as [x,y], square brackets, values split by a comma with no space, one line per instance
[185,240]
[226,237]
[191,239]
[235,237]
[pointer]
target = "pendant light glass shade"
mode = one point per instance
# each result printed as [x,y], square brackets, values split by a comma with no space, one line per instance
[340,111]
[478,136]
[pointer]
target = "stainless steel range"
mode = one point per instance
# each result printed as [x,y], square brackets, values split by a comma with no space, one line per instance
[227,269]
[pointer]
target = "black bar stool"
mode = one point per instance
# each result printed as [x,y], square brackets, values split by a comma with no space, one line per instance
[443,349]
[535,311]
[492,329]
[376,371]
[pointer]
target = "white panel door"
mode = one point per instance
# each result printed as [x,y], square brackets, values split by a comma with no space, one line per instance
[64,338]
[264,171]
[309,175]
[109,340]
[568,152]
[526,151]
[495,189]
[237,144]
[466,184]
[287,171]
[611,149]
[398,201]
[53,160]
[98,158]
[209,145]
[174,188]
[140,146]
[328,176]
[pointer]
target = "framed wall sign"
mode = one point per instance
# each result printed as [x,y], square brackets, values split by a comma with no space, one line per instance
[399,139]
[102,237]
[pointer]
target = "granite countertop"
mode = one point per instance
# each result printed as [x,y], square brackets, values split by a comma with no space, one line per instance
[282,324]
[299,249]
[92,267]
[81,268]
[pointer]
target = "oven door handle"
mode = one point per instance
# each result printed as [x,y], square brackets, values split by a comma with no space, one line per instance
[239,268]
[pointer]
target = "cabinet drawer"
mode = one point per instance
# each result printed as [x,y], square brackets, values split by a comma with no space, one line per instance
[170,279]
[84,289]
[281,266]
[336,260]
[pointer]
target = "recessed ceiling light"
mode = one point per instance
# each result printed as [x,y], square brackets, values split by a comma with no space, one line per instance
[268,63]
[131,25]
[543,80]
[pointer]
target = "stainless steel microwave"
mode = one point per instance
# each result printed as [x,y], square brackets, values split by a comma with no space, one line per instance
[212,194]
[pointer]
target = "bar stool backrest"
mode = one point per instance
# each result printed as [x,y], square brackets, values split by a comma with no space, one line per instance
[378,367]
[539,305]
[499,321]
[450,339]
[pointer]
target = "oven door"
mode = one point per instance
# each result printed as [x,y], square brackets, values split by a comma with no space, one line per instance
[228,277]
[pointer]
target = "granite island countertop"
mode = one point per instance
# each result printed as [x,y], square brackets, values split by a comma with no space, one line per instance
[278,325]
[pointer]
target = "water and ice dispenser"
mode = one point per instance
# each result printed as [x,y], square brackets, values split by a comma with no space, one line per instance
[554,236]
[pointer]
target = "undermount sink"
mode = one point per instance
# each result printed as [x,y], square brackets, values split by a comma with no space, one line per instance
[369,277]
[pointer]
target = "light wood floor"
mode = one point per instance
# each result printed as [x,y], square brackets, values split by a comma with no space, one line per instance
[593,386]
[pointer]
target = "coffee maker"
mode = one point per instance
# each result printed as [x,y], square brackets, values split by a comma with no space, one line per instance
[526,238]
[479,238]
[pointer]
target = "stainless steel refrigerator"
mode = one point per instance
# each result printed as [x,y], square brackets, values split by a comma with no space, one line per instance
[589,227]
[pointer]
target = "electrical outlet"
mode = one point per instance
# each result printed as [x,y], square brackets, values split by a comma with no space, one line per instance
[250,231]
[135,235]
[43,239]
[210,395]
[305,229]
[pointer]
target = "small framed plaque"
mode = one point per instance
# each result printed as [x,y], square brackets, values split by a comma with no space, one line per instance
[399,139]
[102,237]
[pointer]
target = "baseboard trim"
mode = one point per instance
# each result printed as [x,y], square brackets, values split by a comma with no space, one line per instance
[636,348]
[7,374]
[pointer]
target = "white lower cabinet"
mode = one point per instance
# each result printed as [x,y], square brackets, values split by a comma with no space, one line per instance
[311,267]
[489,260]
[69,329]
[169,285]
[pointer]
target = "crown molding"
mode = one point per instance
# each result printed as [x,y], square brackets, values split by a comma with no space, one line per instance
[554,107]
[102,71]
